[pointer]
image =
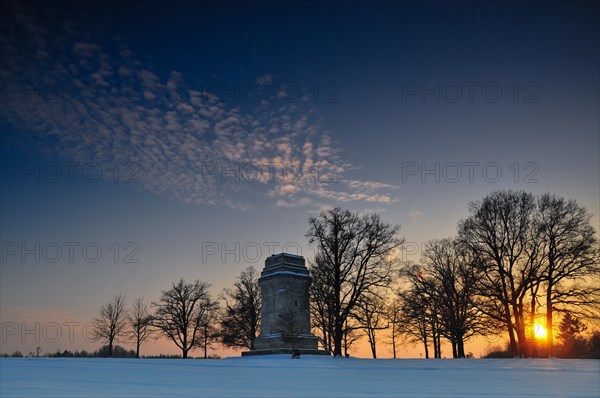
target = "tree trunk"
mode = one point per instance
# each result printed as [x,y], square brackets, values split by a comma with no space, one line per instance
[460,347]
[330,336]
[533,350]
[110,348]
[374,351]
[373,344]
[520,328]
[549,309]
[454,349]
[339,322]
[511,333]
[184,353]
[345,347]
[337,340]
[205,341]
[435,347]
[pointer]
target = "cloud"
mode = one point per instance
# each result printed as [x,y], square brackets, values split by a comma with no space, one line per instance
[85,50]
[264,80]
[289,188]
[109,108]
[370,186]
[415,214]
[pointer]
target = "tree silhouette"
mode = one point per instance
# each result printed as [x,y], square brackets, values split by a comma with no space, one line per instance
[370,314]
[182,311]
[140,323]
[353,256]
[452,280]
[393,315]
[322,301]
[572,255]
[240,322]
[570,329]
[111,322]
[209,331]
[416,311]
[499,235]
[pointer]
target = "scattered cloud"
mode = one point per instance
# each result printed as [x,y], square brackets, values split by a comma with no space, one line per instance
[415,214]
[264,80]
[110,108]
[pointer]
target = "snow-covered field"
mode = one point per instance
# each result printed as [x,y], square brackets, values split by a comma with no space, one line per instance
[280,376]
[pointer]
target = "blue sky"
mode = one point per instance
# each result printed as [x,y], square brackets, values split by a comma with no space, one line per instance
[188,127]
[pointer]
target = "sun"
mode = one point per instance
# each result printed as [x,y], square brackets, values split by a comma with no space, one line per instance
[539,331]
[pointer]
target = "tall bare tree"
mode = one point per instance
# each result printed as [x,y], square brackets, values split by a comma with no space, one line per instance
[181,313]
[354,254]
[209,330]
[453,280]
[572,258]
[139,322]
[393,315]
[421,310]
[350,335]
[111,322]
[370,314]
[415,317]
[321,305]
[240,323]
[498,232]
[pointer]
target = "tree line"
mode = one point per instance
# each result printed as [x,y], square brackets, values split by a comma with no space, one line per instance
[187,315]
[514,257]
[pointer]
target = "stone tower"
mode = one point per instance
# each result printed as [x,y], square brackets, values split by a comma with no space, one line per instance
[285,313]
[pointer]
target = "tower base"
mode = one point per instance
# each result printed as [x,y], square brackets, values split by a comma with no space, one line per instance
[306,344]
[290,351]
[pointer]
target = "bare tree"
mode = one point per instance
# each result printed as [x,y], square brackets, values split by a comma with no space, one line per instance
[181,313]
[111,322]
[240,322]
[289,327]
[370,313]
[393,316]
[421,310]
[209,332]
[498,233]
[453,280]
[354,256]
[572,256]
[415,317]
[139,321]
[321,305]
[350,335]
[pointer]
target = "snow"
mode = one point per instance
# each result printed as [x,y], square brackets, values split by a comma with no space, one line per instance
[305,275]
[280,376]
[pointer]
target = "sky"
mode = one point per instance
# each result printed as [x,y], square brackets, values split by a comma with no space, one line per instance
[143,142]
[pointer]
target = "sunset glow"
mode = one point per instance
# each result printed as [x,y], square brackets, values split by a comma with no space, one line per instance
[539,331]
